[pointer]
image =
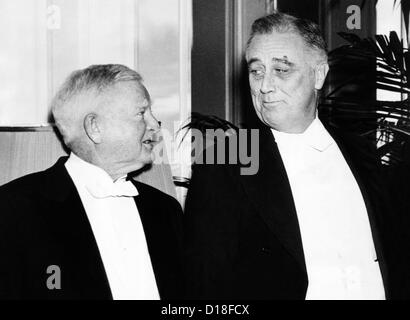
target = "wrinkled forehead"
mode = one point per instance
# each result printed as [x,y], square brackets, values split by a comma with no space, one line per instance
[124,96]
[133,90]
[288,47]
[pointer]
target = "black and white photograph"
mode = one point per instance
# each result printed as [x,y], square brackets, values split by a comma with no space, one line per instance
[205,155]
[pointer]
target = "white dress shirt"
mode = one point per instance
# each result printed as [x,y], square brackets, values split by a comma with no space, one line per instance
[118,230]
[337,241]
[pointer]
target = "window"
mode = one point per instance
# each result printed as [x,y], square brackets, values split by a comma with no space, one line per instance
[44,40]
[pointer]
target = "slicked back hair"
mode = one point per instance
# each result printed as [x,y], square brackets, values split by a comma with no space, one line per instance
[284,23]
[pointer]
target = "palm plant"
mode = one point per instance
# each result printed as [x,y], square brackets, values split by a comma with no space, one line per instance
[386,123]
[203,122]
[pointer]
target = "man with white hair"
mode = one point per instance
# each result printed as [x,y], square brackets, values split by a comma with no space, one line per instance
[81,229]
[314,221]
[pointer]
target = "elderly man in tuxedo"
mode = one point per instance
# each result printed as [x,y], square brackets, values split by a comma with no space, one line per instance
[81,229]
[312,222]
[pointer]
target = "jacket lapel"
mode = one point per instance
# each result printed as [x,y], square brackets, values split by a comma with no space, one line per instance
[73,231]
[270,191]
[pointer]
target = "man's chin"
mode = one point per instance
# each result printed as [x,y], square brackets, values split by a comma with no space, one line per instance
[141,165]
[148,160]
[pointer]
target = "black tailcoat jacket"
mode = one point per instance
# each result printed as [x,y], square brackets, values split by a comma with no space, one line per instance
[242,234]
[43,223]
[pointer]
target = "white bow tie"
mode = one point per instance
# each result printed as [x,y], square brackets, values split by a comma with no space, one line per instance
[119,188]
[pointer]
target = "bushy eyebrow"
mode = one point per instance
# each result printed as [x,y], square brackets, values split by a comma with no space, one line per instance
[283,60]
[253,60]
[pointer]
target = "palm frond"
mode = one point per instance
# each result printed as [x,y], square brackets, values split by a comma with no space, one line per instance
[386,123]
[203,122]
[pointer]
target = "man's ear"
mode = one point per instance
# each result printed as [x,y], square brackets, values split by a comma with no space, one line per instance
[321,71]
[91,128]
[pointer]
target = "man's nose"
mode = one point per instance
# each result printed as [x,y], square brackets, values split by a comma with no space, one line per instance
[268,84]
[152,123]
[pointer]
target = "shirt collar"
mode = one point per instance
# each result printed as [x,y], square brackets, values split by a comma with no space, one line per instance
[96,180]
[316,136]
